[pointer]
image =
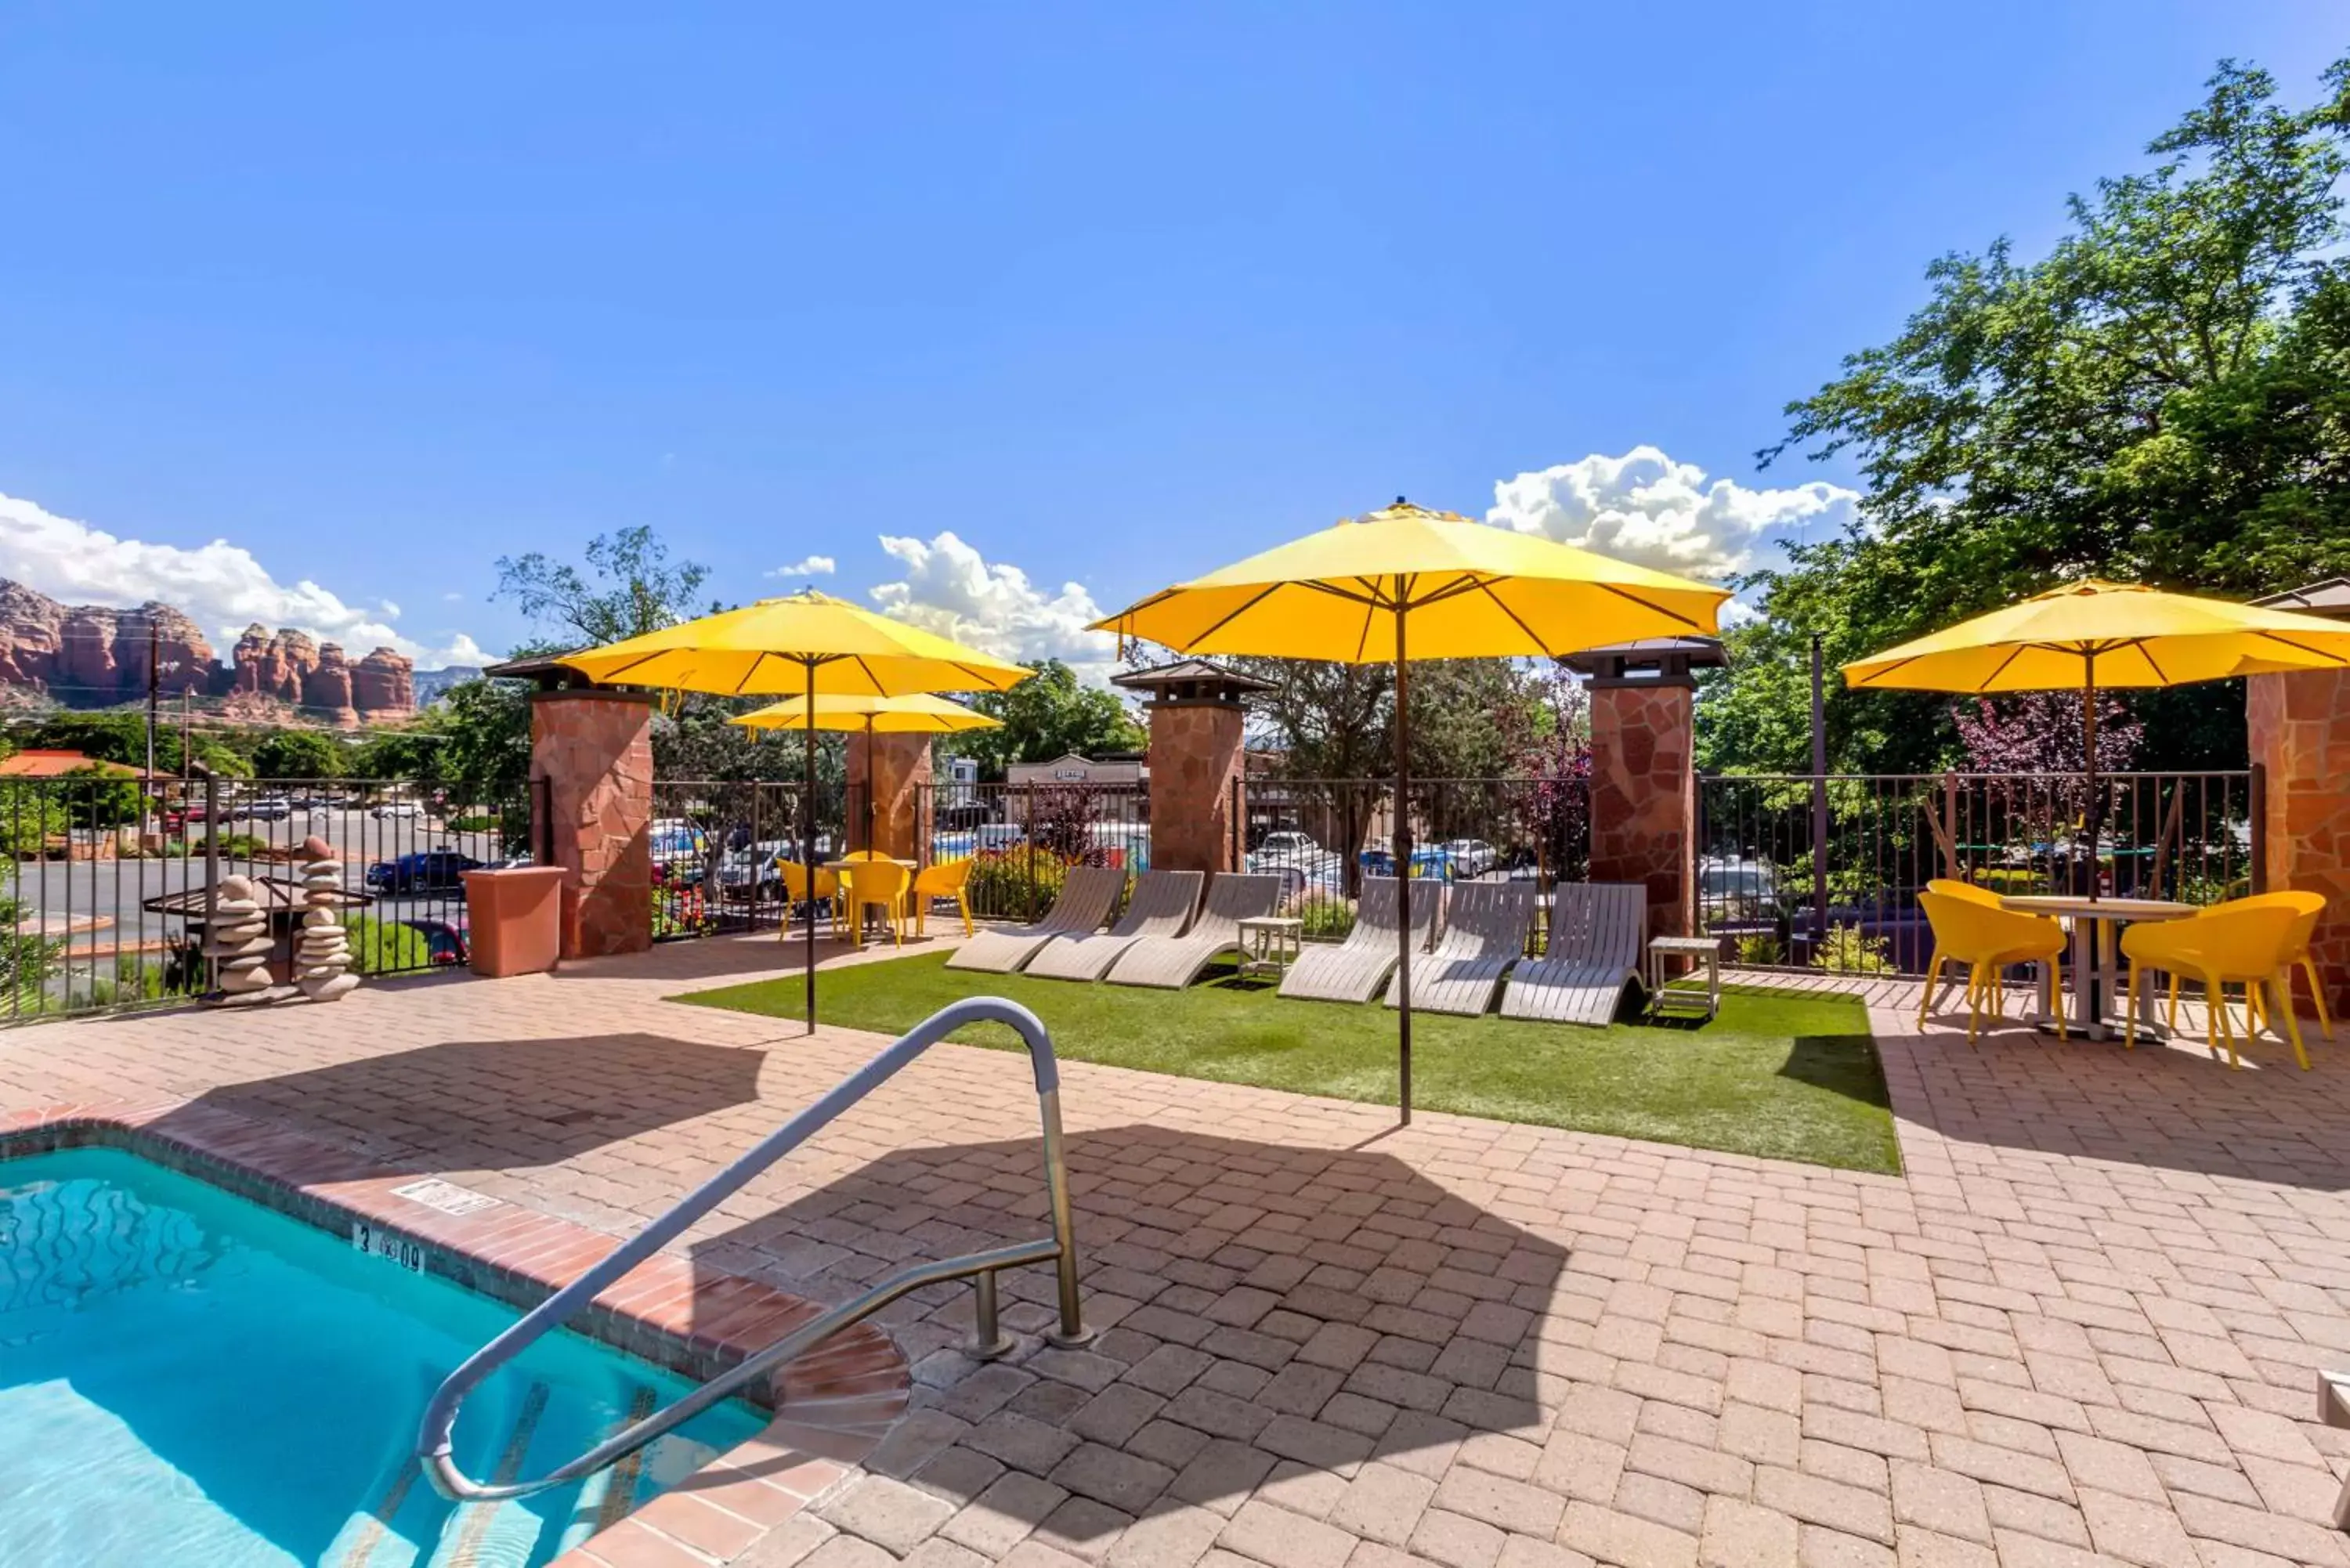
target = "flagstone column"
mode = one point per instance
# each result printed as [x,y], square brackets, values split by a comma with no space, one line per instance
[898,768]
[1644,795]
[1198,760]
[2297,728]
[591,762]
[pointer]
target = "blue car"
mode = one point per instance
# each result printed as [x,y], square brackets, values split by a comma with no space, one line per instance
[425,871]
[1429,862]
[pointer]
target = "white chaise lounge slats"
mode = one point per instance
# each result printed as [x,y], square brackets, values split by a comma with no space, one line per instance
[1597,931]
[1162,906]
[1173,963]
[1086,897]
[1355,970]
[1486,925]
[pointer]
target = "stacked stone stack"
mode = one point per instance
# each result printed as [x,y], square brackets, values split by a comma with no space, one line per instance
[239,940]
[322,958]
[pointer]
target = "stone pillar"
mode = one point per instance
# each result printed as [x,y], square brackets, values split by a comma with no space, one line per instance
[1644,795]
[2297,729]
[899,769]
[1196,757]
[594,749]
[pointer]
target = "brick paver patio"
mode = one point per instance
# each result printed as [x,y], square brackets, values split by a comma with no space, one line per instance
[2081,1329]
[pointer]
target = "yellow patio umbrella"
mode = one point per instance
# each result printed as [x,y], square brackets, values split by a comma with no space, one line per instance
[2092,634]
[806,642]
[1404,583]
[922,714]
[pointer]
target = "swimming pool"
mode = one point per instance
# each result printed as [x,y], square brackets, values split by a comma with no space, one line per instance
[187,1377]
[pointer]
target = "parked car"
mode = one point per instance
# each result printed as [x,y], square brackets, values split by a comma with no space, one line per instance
[999,836]
[425,871]
[1429,862]
[681,852]
[1289,846]
[1471,857]
[268,808]
[753,870]
[396,811]
[1736,887]
[445,939]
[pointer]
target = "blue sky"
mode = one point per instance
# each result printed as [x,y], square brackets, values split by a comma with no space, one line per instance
[372,298]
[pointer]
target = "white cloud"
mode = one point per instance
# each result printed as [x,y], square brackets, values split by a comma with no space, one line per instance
[221,584]
[1646,508]
[949,588]
[809,566]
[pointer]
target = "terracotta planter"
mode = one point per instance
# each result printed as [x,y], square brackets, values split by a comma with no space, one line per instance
[512,920]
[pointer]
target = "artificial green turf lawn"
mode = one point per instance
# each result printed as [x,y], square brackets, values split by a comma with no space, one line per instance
[1778,1074]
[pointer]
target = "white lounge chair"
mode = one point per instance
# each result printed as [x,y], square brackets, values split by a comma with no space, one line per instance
[1083,903]
[1161,905]
[1486,925]
[1356,969]
[1597,931]
[1173,963]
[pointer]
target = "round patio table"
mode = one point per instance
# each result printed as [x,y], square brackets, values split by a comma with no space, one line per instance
[2096,951]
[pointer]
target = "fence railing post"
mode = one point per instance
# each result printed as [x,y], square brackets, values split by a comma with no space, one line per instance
[1028,836]
[2257,808]
[212,864]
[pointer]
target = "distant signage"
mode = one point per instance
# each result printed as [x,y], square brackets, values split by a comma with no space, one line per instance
[1070,775]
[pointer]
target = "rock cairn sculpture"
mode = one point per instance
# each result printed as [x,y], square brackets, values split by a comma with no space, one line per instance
[322,958]
[239,940]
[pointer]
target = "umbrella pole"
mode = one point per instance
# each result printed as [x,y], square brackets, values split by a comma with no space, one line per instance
[807,838]
[2089,740]
[1401,842]
[872,772]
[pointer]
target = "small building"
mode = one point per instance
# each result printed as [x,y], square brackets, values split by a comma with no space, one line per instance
[37,764]
[1116,771]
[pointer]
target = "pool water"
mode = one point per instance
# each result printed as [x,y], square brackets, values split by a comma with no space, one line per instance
[190,1378]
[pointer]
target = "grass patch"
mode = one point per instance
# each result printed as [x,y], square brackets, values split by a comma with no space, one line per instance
[1778,1074]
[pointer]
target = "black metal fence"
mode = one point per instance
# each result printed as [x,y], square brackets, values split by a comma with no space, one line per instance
[106,901]
[1825,873]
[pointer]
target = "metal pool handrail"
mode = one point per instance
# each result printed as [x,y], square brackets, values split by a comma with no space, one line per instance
[434,1439]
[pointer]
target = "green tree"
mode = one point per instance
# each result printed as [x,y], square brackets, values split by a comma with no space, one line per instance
[1046,715]
[298,754]
[2165,396]
[630,587]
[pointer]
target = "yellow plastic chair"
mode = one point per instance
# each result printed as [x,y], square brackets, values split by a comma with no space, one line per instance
[796,891]
[866,883]
[1986,939]
[2308,907]
[944,880]
[2245,942]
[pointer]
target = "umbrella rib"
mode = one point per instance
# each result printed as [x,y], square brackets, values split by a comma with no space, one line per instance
[1262,594]
[1466,583]
[2012,655]
[1898,664]
[1644,604]
[2146,651]
[1363,643]
[757,660]
[632,664]
[2301,647]
[1487,588]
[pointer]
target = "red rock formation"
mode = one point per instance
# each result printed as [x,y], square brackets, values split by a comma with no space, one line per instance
[88,656]
[384,684]
[328,690]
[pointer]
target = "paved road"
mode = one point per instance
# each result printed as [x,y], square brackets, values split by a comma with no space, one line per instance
[74,891]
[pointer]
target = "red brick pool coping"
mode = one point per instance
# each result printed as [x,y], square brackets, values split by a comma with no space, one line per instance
[688,1318]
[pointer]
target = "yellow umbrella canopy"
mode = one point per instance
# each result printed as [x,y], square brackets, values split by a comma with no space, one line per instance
[921,714]
[1403,583]
[801,642]
[2105,634]
[2092,634]
[1470,591]
[806,642]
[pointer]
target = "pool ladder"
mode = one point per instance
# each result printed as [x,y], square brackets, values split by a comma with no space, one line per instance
[433,1442]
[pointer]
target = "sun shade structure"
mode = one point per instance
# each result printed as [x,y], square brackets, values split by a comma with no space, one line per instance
[809,643]
[919,714]
[2092,634]
[1405,583]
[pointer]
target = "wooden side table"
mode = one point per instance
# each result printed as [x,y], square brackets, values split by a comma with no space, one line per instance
[1683,1002]
[1270,943]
